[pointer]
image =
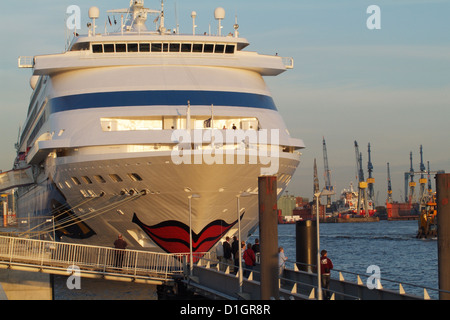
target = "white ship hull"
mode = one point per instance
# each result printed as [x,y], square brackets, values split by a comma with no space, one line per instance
[152,213]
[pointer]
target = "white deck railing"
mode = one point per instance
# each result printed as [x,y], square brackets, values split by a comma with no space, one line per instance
[92,259]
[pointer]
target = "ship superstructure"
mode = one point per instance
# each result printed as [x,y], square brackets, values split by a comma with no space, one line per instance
[150,134]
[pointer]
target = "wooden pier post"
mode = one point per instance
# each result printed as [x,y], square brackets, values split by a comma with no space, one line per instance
[443,217]
[268,233]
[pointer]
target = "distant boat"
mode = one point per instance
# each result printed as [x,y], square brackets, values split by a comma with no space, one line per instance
[348,203]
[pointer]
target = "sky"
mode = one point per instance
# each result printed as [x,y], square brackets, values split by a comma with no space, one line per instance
[389,87]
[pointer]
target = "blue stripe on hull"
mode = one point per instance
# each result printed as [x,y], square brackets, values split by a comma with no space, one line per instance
[161,98]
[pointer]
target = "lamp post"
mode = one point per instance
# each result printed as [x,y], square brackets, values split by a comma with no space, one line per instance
[191,260]
[324,192]
[243,195]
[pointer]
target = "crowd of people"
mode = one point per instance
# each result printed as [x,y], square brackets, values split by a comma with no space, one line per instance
[228,254]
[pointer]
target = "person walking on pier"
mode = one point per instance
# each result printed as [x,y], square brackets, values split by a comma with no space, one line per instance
[120,244]
[249,259]
[325,269]
[235,253]
[227,252]
[281,261]
[219,253]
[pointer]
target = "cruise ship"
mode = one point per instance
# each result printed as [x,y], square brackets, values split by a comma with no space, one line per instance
[150,133]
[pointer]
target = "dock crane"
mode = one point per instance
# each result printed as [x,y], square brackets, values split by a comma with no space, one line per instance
[412,184]
[430,189]
[316,188]
[327,171]
[370,179]
[389,198]
[316,179]
[362,185]
[424,195]
[422,180]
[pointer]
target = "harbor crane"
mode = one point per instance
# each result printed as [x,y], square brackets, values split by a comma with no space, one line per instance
[389,199]
[370,179]
[412,184]
[430,189]
[422,181]
[316,187]
[362,185]
[327,172]
[316,179]
[424,194]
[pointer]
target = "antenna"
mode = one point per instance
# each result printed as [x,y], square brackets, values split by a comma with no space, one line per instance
[236,27]
[162,28]
[194,26]
[176,18]
[219,14]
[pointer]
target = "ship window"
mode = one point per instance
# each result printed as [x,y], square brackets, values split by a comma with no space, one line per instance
[92,193]
[100,179]
[135,177]
[108,48]
[121,47]
[209,48]
[197,47]
[133,47]
[86,180]
[156,47]
[186,47]
[230,49]
[80,46]
[97,48]
[84,193]
[165,47]
[174,47]
[219,48]
[115,178]
[76,181]
[144,47]
[131,124]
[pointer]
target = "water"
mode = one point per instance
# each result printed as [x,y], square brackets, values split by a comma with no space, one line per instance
[390,245]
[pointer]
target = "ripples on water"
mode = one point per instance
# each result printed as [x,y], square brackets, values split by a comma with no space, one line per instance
[391,245]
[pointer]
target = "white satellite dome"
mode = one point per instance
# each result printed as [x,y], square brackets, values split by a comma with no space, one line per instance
[94,13]
[219,13]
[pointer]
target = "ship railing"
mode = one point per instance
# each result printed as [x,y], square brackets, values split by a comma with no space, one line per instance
[26,62]
[295,283]
[289,288]
[93,259]
[375,281]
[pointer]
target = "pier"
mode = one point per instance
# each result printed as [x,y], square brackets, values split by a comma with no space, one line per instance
[209,278]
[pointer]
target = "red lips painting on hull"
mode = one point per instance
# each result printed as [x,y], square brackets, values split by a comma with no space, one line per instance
[173,236]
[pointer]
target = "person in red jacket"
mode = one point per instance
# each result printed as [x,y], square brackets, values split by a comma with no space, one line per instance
[249,259]
[325,269]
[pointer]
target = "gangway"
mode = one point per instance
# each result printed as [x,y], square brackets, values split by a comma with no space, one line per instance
[90,261]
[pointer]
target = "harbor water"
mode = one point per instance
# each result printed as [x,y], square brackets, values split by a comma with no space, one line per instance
[390,245]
